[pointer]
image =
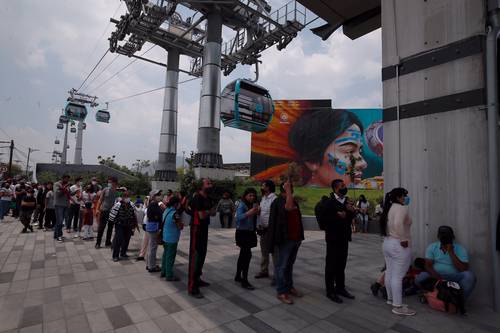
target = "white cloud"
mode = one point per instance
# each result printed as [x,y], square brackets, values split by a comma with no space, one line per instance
[58,38]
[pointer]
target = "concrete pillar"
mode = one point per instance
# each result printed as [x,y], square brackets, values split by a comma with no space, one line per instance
[166,169]
[79,144]
[208,144]
[443,159]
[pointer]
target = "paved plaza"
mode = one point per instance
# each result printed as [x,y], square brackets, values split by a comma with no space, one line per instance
[47,286]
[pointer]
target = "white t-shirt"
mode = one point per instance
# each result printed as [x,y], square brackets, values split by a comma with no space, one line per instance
[265,209]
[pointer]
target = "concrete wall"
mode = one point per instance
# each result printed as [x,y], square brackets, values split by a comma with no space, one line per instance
[443,155]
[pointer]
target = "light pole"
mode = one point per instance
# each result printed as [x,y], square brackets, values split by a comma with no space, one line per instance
[28,160]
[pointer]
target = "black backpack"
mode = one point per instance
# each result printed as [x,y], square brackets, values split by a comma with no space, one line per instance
[320,210]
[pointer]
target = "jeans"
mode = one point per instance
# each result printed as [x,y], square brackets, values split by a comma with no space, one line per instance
[363,222]
[153,246]
[74,215]
[168,259]
[229,220]
[61,215]
[50,218]
[102,225]
[397,261]
[465,279]
[4,208]
[287,253]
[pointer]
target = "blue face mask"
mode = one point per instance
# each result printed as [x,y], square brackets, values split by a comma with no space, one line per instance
[407,201]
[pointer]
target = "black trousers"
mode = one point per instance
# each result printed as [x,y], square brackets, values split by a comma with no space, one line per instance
[50,218]
[229,220]
[197,253]
[41,215]
[73,215]
[103,221]
[244,263]
[336,260]
[121,240]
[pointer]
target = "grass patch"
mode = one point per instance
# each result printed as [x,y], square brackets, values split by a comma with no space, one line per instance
[311,196]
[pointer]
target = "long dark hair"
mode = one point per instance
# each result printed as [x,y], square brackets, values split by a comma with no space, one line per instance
[244,196]
[314,131]
[390,198]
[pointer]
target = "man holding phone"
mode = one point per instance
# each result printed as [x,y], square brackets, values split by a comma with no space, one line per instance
[448,260]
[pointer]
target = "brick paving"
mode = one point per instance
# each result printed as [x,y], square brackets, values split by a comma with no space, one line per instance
[47,286]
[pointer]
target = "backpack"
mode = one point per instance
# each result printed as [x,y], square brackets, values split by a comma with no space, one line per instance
[320,210]
[446,296]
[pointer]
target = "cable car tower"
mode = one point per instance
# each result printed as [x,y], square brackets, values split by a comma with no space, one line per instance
[256,28]
[76,110]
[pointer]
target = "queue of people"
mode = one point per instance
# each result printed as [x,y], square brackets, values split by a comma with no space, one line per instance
[274,223]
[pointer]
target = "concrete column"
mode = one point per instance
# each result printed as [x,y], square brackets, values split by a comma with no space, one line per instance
[208,144]
[166,170]
[443,159]
[79,144]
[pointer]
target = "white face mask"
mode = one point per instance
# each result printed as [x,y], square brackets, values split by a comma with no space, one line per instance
[94,182]
[127,200]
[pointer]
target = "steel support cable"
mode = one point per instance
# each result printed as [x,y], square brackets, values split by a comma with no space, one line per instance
[93,69]
[101,72]
[148,91]
[102,35]
[121,70]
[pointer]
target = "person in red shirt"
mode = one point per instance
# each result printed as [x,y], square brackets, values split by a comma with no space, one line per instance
[285,234]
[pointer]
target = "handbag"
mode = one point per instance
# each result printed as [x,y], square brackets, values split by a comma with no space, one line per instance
[152,226]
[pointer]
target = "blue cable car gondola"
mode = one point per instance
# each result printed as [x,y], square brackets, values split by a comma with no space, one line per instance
[60,126]
[246,106]
[75,111]
[63,119]
[102,116]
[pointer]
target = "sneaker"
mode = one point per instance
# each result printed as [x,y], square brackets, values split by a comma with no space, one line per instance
[60,239]
[126,256]
[375,287]
[335,298]
[389,302]
[24,231]
[98,246]
[238,278]
[140,259]
[403,311]
[76,235]
[115,259]
[284,298]
[31,228]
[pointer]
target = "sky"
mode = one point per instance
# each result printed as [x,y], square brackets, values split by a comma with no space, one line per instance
[49,47]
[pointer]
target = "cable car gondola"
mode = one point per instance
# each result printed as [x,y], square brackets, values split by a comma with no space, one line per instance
[84,126]
[102,116]
[60,126]
[63,119]
[57,142]
[246,106]
[75,111]
[73,130]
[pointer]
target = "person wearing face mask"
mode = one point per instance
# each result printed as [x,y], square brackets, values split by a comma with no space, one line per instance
[337,235]
[5,200]
[106,202]
[74,207]
[448,260]
[395,224]
[153,226]
[122,216]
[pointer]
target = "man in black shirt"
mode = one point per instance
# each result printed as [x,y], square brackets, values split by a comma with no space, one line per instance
[202,207]
[337,236]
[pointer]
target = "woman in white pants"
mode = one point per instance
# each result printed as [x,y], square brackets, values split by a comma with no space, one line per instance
[395,227]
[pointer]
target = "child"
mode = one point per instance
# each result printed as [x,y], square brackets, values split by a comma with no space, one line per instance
[28,205]
[87,213]
[171,233]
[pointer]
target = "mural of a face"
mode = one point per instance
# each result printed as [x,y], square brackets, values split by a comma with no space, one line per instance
[342,159]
